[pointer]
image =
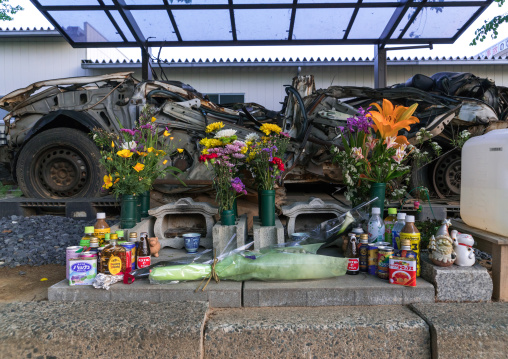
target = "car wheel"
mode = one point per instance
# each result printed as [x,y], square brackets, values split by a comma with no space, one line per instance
[447,175]
[59,163]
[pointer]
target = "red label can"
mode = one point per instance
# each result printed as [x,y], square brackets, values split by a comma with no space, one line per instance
[353,264]
[143,262]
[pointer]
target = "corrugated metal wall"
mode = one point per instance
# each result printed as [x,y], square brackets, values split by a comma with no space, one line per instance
[27,60]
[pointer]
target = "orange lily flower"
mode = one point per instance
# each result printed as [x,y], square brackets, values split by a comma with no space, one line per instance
[390,120]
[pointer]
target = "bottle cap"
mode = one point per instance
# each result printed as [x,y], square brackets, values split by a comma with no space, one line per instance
[364,238]
[89,229]
[113,236]
[392,210]
[101,215]
[405,242]
[94,240]
[401,215]
[133,235]
[106,236]
[120,233]
[376,210]
[410,219]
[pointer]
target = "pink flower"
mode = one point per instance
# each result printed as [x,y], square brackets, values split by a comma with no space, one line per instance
[357,153]
[399,155]
[390,142]
[370,143]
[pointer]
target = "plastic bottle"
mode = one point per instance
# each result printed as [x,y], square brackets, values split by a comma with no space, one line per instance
[121,237]
[397,227]
[101,227]
[85,240]
[405,251]
[390,221]
[376,226]
[411,233]
[104,241]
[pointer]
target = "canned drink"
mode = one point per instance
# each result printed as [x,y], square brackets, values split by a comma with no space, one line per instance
[70,253]
[130,251]
[88,255]
[383,244]
[383,261]
[372,258]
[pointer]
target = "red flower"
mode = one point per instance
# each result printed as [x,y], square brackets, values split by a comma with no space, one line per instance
[204,158]
[277,161]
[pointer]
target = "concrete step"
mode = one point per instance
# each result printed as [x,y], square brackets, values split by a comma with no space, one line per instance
[361,289]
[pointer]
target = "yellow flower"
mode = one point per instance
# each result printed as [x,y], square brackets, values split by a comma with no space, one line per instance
[165,161]
[248,143]
[150,149]
[171,138]
[124,153]
[139,167]
[265,139]
[180,150]
[154,119]
[214,127]
[112,144]
[166,133]
[390,120]
[244,150]
[211,142]
[116,181]
[141,153]
[268,128]
[108,181]
[109,158]
[161,152]
[204,152]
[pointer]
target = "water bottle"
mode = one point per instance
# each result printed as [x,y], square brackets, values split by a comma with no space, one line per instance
[401,222]
[376,226]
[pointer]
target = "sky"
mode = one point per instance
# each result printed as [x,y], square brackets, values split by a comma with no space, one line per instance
[30,17]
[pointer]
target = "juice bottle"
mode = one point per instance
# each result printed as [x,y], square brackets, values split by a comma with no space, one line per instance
[397,227]
[390,222]
[411,233]
[85,240]
[101,227]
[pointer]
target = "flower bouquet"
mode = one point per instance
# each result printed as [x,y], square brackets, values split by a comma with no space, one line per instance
[135,157]
[373,153]
[265,162]
[225,153]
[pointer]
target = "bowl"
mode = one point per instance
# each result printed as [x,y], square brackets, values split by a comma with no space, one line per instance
[191,241]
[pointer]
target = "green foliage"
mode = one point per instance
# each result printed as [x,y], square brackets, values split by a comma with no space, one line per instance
[7,9]
[459,140]
[6,188]
[490,26]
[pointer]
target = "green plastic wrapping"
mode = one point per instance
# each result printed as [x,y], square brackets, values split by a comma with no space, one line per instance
[273,265]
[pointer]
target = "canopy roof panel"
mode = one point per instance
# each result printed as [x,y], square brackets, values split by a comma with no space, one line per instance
[135,23]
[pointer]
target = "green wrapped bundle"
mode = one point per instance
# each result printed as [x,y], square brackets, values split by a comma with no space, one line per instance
[269,266]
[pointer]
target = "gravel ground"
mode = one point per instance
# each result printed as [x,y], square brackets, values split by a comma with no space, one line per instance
[38,240]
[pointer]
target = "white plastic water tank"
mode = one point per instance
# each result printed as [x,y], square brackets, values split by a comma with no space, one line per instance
[484,182]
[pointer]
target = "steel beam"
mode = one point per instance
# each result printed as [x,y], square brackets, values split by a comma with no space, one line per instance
[380,67]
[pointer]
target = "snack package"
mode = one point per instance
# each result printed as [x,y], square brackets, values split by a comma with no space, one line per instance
[402,271]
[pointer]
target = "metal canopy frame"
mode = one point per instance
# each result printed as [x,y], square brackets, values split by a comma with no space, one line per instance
[124,28]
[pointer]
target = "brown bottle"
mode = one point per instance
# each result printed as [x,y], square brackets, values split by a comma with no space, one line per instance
[113,257]
[353,264]
[143,253]
[101,227]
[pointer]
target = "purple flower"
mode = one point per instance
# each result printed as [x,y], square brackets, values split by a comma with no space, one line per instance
[238,186]
[149,126]
[130,132]
[359,123]
[285,134]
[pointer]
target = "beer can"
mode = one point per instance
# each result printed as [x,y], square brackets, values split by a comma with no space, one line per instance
[70,252]
[372,258]
[130,249]
[383,261]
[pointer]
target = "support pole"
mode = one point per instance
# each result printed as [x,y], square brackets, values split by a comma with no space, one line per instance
[146,74]
[380,68]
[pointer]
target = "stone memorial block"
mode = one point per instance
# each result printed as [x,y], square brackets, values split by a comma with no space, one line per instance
[267,236]
[222,234]
[184,216]
[310,214]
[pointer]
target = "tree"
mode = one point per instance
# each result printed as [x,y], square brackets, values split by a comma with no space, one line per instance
[7,9]
[490,26]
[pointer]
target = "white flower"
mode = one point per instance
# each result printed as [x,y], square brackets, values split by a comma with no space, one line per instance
[129,145]
[335,149]
[225,133]
[94,136]
[252,137]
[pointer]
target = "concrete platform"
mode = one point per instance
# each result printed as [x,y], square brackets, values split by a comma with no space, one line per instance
[221,295]
[340,332]
[466,330]
[361,289]
[101,330]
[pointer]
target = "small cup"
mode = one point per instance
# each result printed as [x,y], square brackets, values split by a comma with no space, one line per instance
[296,237]
[191,242]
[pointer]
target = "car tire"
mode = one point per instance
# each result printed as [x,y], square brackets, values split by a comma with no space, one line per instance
[59,163]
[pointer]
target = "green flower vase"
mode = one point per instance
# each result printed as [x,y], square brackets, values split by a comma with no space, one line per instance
[378,190]
[235,209]
[138,208]
[145,203]
[227,217]
[129,206]
[267,208]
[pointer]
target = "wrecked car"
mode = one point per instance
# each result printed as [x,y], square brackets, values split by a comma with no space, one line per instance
[51,154]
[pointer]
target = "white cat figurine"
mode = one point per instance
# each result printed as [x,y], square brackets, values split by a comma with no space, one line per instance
[463,247]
